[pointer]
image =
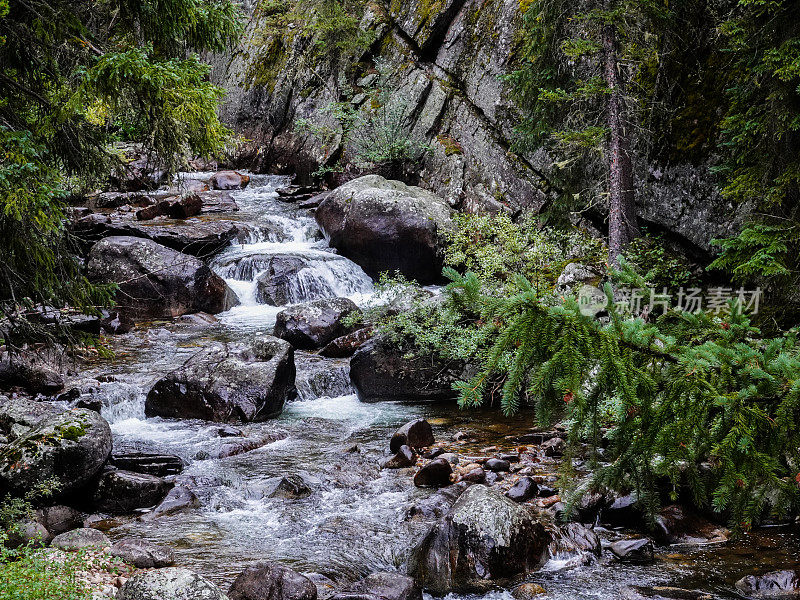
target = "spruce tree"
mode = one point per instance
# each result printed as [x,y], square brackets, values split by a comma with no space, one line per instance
[74,77]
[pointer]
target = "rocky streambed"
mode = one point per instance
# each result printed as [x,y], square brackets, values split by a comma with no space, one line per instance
[322,479]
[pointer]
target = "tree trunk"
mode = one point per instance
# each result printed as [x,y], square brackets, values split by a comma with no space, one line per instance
[622,225]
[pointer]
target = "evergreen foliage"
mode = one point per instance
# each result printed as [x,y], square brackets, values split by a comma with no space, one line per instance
[75,77]
[700,402]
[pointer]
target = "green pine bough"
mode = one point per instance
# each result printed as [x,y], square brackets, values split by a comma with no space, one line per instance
[689,403]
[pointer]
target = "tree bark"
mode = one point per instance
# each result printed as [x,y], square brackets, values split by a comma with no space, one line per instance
[622,224]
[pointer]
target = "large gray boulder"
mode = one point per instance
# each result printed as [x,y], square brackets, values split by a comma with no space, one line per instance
[222,383]
[156,282]
[68,447]
[772,585]
[484,539]
[381,371]
[172,583]
[272,581]
[309,326]
[385,225]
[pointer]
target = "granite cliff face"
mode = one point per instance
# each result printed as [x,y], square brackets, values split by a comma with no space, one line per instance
[445,60]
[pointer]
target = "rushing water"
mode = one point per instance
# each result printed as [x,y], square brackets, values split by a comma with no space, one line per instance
[353,522]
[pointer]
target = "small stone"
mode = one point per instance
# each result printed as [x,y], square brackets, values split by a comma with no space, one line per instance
[554,447]
[474,475]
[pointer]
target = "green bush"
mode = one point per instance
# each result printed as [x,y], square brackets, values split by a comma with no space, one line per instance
[29,573]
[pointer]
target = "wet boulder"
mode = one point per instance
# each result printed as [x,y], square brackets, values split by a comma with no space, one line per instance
[636,551]
[381,371]
[309,326]
[660,592]
[156,282]
[575,537]
[498,465]
[290,487]
[121,492]
[272,581]
[417,434]
[223,384]
[776,584]
[483,540]
[385,225]
[172,583]
[229,180]
[435,473]
[67,446]
[142,554]
[80,539]
[275,285]
[524,489]
[178,499]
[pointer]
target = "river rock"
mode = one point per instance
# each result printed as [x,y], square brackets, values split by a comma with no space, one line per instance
[69,447]
[775,584]
[382,586]
[178,499]
[218,201]
[309,326]
[404,457]
[436,473]
[346,345]
[272,581]
[553,447]
[142,554]
[484,539]
[59,519]
[417,434]
[381,371]
[676,524]
[524,489]
[172,583]
[498,465]
[159,465]
[290,487]
[31,375]
[387,226]
[222,384]
[638,551]
[156,282]
[78,539]
[121,492]
[229,180]
[25,533]
[475,474]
